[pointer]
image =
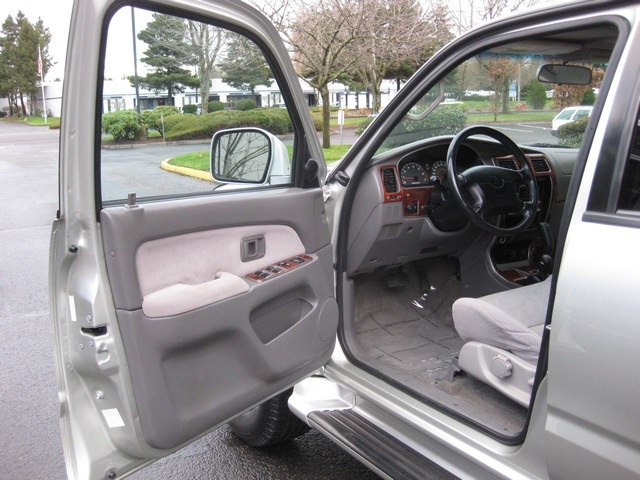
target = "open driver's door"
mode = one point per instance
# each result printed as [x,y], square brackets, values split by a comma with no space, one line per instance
[179,302]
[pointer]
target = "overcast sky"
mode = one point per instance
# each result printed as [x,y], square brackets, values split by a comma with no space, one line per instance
[56,15]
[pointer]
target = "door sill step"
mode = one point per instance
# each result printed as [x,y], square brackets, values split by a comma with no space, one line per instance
[372,444]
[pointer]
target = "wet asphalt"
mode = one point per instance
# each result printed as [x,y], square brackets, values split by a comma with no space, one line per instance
[30,442]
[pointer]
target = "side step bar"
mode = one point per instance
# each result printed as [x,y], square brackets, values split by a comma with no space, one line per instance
[376,447]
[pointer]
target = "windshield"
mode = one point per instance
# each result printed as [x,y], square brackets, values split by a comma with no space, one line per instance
[500,88]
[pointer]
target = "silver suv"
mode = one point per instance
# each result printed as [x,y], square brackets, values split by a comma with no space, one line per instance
[453,300]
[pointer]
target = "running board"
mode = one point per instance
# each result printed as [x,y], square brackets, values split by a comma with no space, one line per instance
[369,442]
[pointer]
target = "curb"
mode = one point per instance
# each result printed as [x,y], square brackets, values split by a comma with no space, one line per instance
[187,172]
[109,146]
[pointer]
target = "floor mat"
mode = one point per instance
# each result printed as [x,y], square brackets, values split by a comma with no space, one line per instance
[408,333]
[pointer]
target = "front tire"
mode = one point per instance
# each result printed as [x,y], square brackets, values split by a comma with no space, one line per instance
[269,423]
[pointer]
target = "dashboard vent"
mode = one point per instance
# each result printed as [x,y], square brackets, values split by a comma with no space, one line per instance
[389,180]
[540,164]
[509,163]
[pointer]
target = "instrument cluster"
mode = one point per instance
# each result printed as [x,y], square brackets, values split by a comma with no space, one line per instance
[429,167]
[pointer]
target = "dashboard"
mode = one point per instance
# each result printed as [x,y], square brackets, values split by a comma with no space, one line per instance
[403,210]
[414,176]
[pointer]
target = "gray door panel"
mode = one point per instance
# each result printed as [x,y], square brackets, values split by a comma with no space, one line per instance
[185,368]
[124,230]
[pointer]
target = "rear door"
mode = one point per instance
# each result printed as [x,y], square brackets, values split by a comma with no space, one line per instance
[178,302]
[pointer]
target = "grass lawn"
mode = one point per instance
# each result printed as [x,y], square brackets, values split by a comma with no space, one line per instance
[476,118]
[31,120]
[347,121]
[195,160]
[200,160]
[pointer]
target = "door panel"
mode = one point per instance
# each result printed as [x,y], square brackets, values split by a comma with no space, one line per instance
[185,367]
[160,335]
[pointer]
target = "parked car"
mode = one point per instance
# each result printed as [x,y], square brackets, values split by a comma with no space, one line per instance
[570,114]
[445,303]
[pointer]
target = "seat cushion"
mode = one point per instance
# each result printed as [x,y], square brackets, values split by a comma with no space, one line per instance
[512,320]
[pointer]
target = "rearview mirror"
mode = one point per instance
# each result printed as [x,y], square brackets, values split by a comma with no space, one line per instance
[248,155]
[564,74]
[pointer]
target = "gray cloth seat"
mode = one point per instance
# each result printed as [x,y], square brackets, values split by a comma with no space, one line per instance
[503,332]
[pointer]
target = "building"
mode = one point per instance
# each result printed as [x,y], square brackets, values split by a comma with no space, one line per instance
[120,95]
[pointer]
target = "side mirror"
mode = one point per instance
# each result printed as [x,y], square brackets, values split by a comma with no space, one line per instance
[249,155]
[564,74]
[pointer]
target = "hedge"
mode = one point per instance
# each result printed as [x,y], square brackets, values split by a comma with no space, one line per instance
[571,134]
[274,120]
[173,120]
[444,120]
[245,105]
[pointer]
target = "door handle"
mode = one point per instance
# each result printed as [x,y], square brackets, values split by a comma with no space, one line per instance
[252,248]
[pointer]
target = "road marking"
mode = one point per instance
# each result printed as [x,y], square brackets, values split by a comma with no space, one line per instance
[534,126]
[513,130]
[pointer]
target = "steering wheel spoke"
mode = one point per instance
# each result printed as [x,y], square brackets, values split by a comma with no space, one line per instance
[495,191]
[478,210]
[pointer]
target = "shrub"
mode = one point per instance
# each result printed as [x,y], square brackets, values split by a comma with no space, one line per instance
[364,124]
[173,120]
[316,116]
[571,134]
[152,119]
[244,105]
[123,125]
[444,120]
[191,108]
[215,106]
[274,120]
[55,125]
[535,94]
[319,109]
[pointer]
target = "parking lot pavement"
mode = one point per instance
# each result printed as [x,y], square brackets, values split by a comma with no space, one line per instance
[30,442]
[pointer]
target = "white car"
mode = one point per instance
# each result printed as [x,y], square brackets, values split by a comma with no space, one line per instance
[446,303]
[570,114]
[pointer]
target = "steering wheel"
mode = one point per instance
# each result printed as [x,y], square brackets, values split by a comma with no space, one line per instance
[486,192]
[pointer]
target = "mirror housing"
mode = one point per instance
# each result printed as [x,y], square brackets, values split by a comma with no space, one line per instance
[249,156]
[564,74]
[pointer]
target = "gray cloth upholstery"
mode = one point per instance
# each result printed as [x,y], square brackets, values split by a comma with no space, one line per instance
[512,320]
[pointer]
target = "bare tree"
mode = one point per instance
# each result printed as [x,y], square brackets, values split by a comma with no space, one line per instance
[492,9]
[320,35]
[396,34]
[207,43]
[466,14]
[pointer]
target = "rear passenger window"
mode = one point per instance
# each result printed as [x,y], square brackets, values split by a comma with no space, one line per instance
[629,199]
[169,84]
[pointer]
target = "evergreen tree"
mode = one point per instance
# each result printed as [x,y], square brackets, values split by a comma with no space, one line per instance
[536,94]
[19,75]
[167,53]
[244,66]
